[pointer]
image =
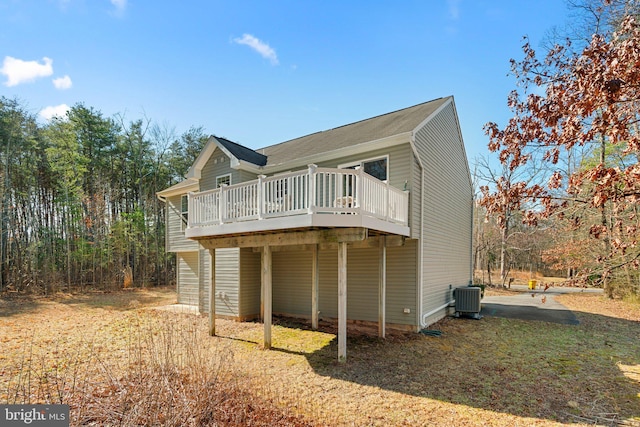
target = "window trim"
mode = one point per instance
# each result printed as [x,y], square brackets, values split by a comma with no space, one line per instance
[223,176]
[363,161]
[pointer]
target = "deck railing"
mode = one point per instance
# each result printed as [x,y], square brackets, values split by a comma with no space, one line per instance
[311,191]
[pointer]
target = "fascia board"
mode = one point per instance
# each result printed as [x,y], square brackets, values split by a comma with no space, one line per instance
[431,116]
[196,169]
[182,189]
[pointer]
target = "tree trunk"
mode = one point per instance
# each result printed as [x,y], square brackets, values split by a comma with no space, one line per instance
[503,251]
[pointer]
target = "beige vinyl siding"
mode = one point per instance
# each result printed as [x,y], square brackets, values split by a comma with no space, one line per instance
[227,281]
[175,240]
[328,285]
[205,280]
[292,283]
[362,284]
[446,236]
[217,165]
[188,266]
[244,176]
[401,283]
[228,273]
[249,283]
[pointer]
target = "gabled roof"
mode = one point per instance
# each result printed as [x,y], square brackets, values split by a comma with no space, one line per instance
[241,152]
[310,147]
[375,128]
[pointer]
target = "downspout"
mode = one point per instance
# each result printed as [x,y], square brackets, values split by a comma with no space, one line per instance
[471,253]
[420,286]
[421,272]
[423,317]
[421,241]
[435,310]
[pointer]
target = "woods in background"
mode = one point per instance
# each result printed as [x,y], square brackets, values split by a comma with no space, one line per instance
[77,199]
[570,153]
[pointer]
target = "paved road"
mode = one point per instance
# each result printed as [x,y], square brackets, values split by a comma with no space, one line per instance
[529,305]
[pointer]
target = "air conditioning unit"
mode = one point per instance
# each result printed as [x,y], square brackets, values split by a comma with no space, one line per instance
[468,301]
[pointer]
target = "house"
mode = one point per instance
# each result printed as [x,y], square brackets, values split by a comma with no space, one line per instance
[367,222]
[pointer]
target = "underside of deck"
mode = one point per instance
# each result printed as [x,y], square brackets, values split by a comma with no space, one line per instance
[296,222]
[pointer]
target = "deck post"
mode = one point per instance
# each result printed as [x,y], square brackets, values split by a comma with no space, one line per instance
[312,188]
[315,279]
[382,287]
[342,301]
[212,293]
[266,293]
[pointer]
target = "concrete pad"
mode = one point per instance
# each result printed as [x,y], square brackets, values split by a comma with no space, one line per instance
[180,308]
[529,305]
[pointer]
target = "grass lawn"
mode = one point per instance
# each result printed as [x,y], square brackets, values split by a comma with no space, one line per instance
[116,361]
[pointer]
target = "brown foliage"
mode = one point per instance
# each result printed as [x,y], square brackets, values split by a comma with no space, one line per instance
[590,98]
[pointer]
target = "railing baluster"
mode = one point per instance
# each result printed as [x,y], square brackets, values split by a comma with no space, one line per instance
[260,196]
[315,190]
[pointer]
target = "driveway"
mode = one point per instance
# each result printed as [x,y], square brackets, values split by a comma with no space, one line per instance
[532,305]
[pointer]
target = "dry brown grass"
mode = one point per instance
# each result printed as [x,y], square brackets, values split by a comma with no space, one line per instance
[117,362]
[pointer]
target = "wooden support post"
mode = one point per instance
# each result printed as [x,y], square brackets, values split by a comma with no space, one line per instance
[315,279]
[261,294]
[382,287]
[342,301]
[212,293]
[266,293]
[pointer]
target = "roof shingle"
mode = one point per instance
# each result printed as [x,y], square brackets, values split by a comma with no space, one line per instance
[243,153]
[367,130]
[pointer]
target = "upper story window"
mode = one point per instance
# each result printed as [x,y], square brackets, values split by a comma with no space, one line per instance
[223,180]
[377,167]
[184,211]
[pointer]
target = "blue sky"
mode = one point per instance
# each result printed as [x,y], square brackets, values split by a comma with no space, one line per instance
[263,72]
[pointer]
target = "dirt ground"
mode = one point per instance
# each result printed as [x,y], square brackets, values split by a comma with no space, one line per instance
[492,371]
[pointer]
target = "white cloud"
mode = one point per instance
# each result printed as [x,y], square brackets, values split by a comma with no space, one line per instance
[19,71]
[48,113]
[120,6]
[63,83]
[259,46]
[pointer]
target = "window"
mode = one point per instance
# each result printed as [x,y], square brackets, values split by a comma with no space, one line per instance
[184,211]
[223,180]
[378,168]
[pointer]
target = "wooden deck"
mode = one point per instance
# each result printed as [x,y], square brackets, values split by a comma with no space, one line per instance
[311,198]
